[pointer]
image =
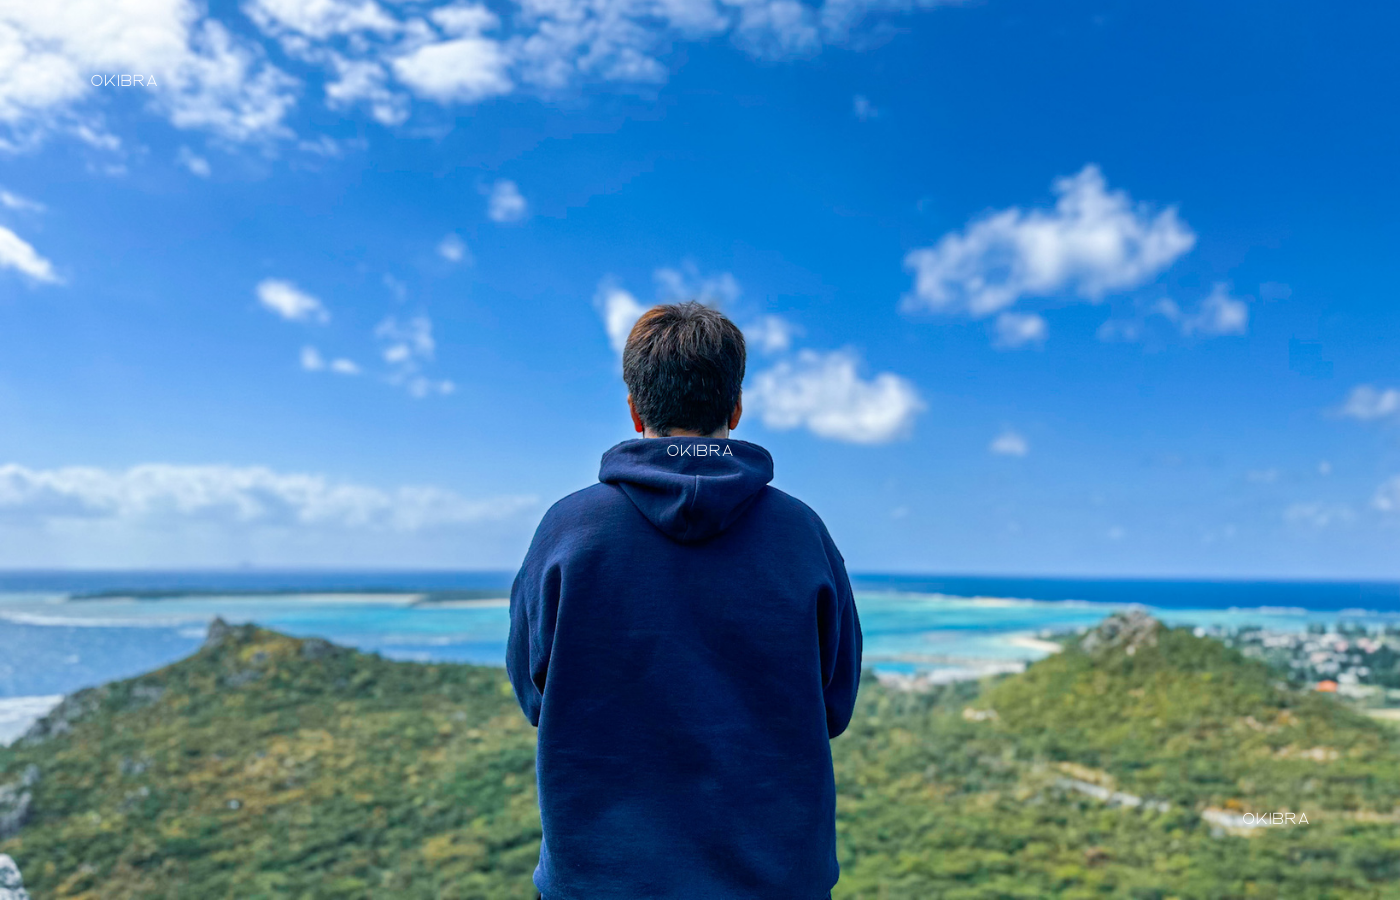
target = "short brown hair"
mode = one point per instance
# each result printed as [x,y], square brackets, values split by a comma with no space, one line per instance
[684,367]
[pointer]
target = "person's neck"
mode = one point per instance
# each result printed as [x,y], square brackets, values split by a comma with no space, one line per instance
[722,433]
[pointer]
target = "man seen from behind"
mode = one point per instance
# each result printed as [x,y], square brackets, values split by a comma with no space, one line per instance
[684,637]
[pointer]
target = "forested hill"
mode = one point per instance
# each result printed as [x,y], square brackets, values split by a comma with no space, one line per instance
[265,766]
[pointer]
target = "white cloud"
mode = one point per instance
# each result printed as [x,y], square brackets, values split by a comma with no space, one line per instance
[1009,443]
[290,302]
[620,311]
[1018,329]
[453,249]
[365,81]
[825,393]
[1318,515]
[1093,242]
[1262,476]
[192,161]
[237,495]
[504,202]
[320,18]
[19,204]
[408,347]
[1387,498]
[1125,330]
[421,386]
[687,283]
[771,334]
[17,254]
[312,361]
[465,69]
[411,340]
[1367,402]
[1219,314]
[206,77]
[864,109]
[776,29]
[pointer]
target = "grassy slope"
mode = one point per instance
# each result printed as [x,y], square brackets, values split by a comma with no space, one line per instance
[355,777]
[261,773]
[934,805]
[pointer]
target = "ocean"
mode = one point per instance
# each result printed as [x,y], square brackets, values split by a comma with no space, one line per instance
[62,631]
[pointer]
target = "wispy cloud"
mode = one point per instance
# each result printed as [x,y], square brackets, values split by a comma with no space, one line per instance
[1219,314]
[232,494]
[408,347]
[453,249]
[197,164]
[11,200]
[16,253]
[1009,443]
[687,282]
[826,394]
[312,361]
[1387,496]
[290,302]
[863,109]
[771,334]
[1318,515]
[1367,402]
[1019,329]
[504,202]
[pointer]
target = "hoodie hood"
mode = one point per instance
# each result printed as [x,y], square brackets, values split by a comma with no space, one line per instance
[689,487]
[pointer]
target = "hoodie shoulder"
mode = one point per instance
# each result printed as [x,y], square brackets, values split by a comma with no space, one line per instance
[786,506]
[582,511]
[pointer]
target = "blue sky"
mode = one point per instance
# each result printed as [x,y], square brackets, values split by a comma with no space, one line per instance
[1076,288]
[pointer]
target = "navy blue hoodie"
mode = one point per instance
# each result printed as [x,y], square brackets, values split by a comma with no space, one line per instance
[685,639]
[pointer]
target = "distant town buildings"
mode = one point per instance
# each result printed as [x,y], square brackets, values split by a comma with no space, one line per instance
[1344,659]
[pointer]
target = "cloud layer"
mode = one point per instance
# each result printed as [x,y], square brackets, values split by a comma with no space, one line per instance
[213,74]
[239,495]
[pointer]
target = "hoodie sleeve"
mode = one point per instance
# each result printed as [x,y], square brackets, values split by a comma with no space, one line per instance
[839,628]
[534,603]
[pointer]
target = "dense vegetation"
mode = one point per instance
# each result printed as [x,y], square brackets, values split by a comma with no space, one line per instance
[265,766]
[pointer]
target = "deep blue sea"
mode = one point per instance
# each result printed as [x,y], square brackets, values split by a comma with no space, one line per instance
[61,631]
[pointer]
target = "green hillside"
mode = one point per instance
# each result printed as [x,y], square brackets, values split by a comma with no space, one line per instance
[265,766]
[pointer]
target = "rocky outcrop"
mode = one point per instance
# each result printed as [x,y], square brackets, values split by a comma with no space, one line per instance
[16,802]
[11,884]
[221,632]
[1122,631]
[65,715]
